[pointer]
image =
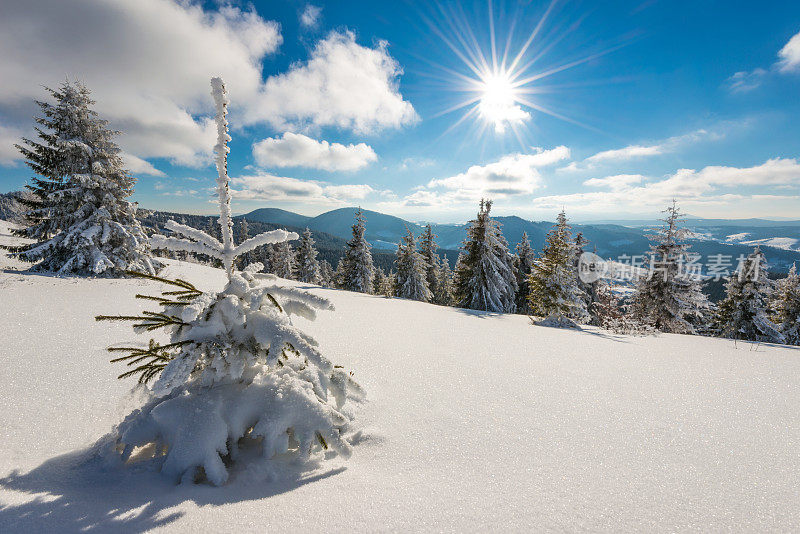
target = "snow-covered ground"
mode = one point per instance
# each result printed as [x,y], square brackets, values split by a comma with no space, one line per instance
[474,422]
[785,243]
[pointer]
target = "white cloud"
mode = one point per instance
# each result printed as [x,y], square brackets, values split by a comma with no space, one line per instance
[139,166]
[788,62]
[790,55]
[671,144]
[148,64]
[343,84]
[619,181]
[268,187]
[744,81]
[298,150]
[514,174]
[8,138]
[629,152]
[310,16]
[690,187]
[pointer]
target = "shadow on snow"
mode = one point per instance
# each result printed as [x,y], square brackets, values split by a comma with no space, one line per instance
[77,492]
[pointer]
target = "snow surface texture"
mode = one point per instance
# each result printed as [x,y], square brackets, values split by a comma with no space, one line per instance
[475,422]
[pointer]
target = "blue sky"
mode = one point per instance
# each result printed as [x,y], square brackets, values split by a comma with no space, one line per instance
[622,107]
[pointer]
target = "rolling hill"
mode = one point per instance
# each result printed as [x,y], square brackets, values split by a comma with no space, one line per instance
[610,240]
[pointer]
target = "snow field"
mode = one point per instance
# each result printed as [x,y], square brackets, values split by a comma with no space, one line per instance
[473,422]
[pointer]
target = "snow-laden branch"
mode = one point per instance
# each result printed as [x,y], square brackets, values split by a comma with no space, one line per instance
[176,244]
[274,236]
[193,233]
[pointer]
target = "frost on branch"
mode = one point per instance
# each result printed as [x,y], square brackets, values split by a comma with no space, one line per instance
[236,372]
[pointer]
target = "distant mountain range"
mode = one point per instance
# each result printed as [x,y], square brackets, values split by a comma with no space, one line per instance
[780,240]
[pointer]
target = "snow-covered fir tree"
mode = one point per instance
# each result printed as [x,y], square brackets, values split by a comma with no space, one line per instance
[80,217]
[326,274]
[743,313]
[523,264]
[412,282]
[237,380]
[669,297]
[308,269]
[786,304]
[357,268]
[428,248]
[338,275]
[445,296]
[553,281]
[382,284]
[587,289]
[484,278]
[282,261]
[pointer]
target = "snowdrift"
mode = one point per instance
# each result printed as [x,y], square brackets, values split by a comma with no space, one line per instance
[475,421]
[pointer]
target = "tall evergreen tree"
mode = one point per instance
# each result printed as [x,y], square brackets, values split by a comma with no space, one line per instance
[787,307]
[283,263]
[307,265]
[523,264]
[669,298]
[412,282]
[484,277]
[743,313]
[553,280]
[358,270]
[428,248]
[80,216]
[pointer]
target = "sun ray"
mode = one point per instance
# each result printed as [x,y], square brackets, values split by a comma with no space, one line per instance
[497,81]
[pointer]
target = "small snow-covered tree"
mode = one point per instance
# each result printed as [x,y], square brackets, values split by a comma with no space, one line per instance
[411,277]
[307,264]
[428,248]
[786,304]
[382,285]
[445,296]
[80,216]
[484,278]
[282,261]
[338,275]
[743,313]
[553,281]
[326,274]
[669,297]
[523,265]
[236,373]
[357,266]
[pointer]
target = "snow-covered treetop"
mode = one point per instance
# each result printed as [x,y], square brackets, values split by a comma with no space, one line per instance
[200,242]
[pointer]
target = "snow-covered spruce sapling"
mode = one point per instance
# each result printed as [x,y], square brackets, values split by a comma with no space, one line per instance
[787,307]
[411,270]
[236,372]
[743,313]
[484,277]
[357,269]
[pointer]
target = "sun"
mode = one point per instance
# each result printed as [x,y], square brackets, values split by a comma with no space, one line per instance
[499,101]
[503,80]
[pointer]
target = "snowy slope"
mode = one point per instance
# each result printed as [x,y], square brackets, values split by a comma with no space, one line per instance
[474,422]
